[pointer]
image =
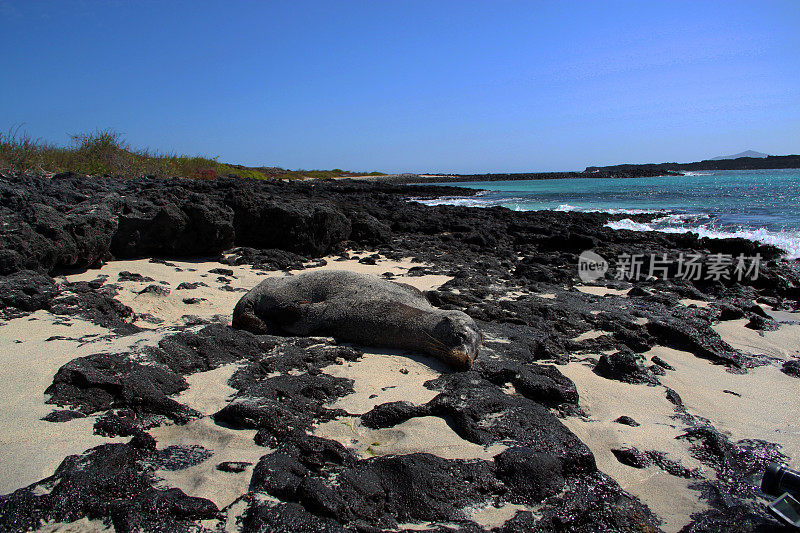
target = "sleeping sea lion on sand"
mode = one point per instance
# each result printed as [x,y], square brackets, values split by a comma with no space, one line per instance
[358,308]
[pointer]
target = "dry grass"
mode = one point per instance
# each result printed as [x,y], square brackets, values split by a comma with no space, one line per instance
[106,153]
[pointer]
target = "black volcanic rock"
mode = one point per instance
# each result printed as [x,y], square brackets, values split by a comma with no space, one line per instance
[270,259]
[624,366]
[133,276]
[190,286]
[190,224]
[760,323]
[27,290]
[98,382]
[532,475]
[628,421]
[295,227]
[233,467]
[791,368]
[686,334]
[43,237]
[541,383]
[62,415]
[660,362]
[156,290]
[383,490]
[632,457]
[108,481]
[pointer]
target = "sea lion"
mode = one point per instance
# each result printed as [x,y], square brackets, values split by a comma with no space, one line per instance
[359,308]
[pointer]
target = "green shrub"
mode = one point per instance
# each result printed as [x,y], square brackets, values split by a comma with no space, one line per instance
[106,153]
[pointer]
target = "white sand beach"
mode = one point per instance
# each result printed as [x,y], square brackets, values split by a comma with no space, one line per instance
[764,406]
[31,448]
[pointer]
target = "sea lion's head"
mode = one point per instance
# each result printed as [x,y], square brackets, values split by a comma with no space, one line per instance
[457,340]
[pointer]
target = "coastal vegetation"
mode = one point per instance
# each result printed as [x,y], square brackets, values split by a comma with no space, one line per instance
[106,153]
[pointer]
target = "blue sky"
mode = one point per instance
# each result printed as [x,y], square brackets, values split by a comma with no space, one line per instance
[410,86]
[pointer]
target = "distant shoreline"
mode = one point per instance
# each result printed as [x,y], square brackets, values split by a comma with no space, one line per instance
[647,170]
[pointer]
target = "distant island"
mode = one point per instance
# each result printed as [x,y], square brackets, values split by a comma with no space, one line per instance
[740,163]
[746,153]
[761,161]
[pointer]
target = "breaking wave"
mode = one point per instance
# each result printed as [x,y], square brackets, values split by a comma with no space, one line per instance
[670,222]
[785,240]
[568,207]
[759,205]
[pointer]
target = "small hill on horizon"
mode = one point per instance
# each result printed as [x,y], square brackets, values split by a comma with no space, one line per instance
[746,153]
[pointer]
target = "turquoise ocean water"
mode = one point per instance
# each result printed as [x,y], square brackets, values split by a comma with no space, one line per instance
[762,205]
